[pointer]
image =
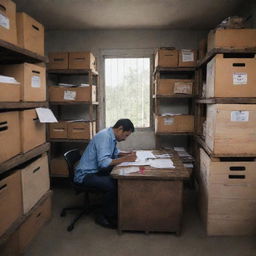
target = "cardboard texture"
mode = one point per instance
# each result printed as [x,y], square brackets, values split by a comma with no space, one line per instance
[81,130]
[32,79]
[58,130]
[58,60]
[228,189]
[9,92]
[35,182]
[34,223]
[9,135]
[178,123]
[81,60]
[30,33]
[169,87]
[230,129]
[69,94]
[187,58]
[11,201]
[231,77]
[165,58]
[231,38]
[33,133]
[8,30]
[59,167]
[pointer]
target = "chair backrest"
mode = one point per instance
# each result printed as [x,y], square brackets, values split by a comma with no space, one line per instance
[72,157]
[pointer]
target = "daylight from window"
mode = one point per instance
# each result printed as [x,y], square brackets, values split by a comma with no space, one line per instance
[127,90]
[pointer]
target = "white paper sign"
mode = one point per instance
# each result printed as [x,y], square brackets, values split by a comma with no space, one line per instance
[187,55]
[45,115]
[35,82]
[168,121]
[4,21]
[239,78]
[69,95]
[239,116]
[180,87]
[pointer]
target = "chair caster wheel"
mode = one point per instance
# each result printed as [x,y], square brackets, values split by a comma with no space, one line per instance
[63,214]
[70,228]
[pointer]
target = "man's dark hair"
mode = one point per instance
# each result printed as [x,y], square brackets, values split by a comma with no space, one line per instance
[126,124]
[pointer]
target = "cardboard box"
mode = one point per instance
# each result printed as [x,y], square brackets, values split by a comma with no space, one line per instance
[171,87]
[33,133]
[165,58]
[58,60]
[228,188]
[175,123]
[59,167]
[81,60]
[231,38]
[81,130]
[30,228]
[31,78]
[230,129]
[11,201]
[9,92]
[30,33]
[69,94]
[231,77]
[58,130]
[187,58]
[35,182]
[8,30]
[9,135]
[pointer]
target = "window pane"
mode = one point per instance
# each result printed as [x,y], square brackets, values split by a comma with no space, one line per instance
[127,85]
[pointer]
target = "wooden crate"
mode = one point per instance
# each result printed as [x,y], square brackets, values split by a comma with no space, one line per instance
[227,200]
[230,129]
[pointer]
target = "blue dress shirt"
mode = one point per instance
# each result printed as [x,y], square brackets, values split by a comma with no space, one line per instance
[98,154]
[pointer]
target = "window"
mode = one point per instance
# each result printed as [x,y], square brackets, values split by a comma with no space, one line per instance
[127,90]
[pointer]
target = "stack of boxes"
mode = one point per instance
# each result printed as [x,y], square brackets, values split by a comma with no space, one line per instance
[24,190]
[227,176]
[71,69]
[172,60]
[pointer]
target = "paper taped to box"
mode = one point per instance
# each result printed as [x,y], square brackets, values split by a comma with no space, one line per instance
[45,115]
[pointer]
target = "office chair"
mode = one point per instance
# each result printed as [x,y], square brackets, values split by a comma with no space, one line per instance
[72,157]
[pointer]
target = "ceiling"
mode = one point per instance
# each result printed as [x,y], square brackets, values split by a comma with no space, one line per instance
[129,14]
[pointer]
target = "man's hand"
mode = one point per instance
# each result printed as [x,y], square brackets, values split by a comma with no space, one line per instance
[130,157]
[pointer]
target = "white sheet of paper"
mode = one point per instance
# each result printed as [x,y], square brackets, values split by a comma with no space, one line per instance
[8,80]
[144,154]
[140,162]
[161,163]
[45,115]
[129,170]
[188,165]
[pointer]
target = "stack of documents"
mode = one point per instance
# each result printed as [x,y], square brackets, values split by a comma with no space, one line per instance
[8,80]
[185,157]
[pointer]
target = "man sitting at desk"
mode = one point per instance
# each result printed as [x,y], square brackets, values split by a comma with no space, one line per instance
[96,163]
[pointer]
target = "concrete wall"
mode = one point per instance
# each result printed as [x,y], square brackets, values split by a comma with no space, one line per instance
[102,41]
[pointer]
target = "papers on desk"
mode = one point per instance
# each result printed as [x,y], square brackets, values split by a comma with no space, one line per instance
[145,154]
[128,170]
[161,163]
[178,149]
[138,162]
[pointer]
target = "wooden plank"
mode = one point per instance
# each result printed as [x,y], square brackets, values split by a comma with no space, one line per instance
[174,69]
[173,133]
[23,157]
[172,97]
[72,71]
[22,219]
[215,51]
[22,105]
[10,54]
[68,140]
[226,100]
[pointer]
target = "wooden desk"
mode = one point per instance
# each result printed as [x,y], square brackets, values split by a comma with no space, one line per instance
[151,201]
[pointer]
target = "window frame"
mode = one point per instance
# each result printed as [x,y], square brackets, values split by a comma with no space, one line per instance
[129,53]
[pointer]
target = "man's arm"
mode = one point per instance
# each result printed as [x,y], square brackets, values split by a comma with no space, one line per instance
[127,158]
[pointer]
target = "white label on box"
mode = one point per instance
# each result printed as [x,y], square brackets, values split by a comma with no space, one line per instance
[4,21]
[239,116]
[69,95]
[239,78]
[168,121]
[35,81]
[181,87]
[187,55]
